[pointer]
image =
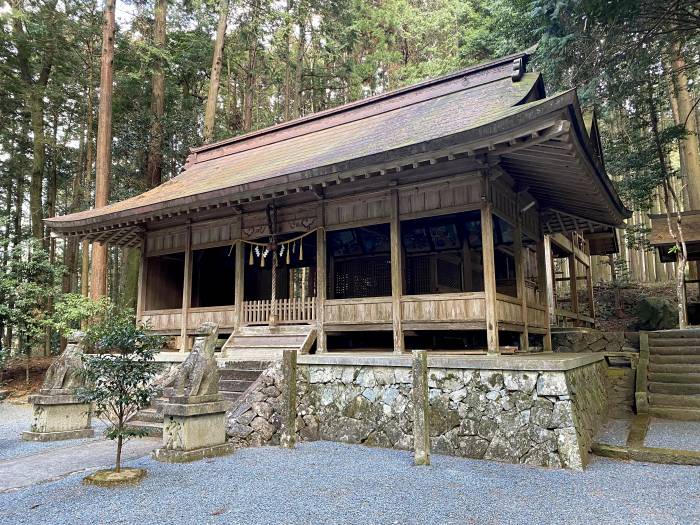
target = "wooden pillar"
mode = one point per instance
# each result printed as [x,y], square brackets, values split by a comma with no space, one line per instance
[288,432]
[239,281]
[321,276]
[141,294]
[550,288]
[519,254]
[396,273]
[573,285]
[491,312]
[589,280]
[186,288]
[544,282]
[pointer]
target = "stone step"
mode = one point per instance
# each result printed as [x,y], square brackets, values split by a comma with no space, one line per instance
[228,374]
[680,414]
[674,350]
[150,415]
[669,377]
[678,368]
[668,334]
[246,364]
[151,429]
[231,396]
[233,385]
[681,389]
[670,400]
[278,330]
[674,341]
[254,341]
[675,359]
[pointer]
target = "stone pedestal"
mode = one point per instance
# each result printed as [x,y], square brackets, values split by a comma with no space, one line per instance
[57,417]
[193,428]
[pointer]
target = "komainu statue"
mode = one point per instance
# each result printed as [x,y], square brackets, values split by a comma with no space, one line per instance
[66,373]
[198,375]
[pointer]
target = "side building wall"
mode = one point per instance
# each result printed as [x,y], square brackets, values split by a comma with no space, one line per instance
[537,418]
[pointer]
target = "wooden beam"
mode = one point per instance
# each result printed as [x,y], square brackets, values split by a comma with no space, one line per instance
[186,289]
[321,280]
[396,272]
[489,278]
[550,289]
[573,285]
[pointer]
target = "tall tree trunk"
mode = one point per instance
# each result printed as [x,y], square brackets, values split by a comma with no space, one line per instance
[154,170]
[98,281]
[87,177]
[250,71]
[217,61]
[36,108]
[287,59]
[299,67]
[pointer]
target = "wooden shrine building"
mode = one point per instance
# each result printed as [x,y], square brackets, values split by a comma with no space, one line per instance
[426,217]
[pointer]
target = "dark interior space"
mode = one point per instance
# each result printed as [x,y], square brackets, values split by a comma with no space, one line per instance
[164,281]
[296,270]
[213,277]
[382,341]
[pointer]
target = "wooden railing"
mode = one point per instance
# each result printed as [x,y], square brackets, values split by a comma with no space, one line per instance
[289,311]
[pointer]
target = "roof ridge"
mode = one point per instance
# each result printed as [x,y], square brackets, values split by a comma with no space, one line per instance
[349,106]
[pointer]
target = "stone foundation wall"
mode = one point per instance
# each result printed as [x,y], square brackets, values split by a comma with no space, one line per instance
[621,387]
[595,341]
[538,418]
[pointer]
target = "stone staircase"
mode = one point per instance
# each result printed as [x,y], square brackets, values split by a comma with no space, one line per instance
[237,376]
[150,419]
[673,374]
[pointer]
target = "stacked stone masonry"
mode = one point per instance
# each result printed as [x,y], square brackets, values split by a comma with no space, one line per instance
[537,418]
[595,341]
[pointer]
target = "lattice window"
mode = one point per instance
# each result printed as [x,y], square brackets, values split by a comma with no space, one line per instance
[418,275]
[449,275]
[362,277]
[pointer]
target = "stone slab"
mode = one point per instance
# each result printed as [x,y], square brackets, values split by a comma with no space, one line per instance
[194,432]
[194,409]
[533,362]
[58,436]
[55,399]
[185,456]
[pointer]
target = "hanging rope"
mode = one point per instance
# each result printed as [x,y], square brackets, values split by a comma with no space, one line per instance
[264,248]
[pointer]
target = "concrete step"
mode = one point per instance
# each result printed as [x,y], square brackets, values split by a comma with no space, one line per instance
[233,385]
[690,333]
[151,429]
[674,350]
[680,414]
[674,341]
[669,377]
[681,389]
[253,341]
[675,359]
[277,330]
[228,374]
[670,400]
[677,368]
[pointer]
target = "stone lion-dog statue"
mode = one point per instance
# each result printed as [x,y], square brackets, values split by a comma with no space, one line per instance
[66,373]
[198,375]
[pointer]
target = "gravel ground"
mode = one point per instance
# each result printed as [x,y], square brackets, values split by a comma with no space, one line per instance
[614,432]
[681,435]
[334,483]
[15,419]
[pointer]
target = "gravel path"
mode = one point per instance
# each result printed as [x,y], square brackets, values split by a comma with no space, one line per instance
[681,435]
[614,432]
[15,419]
[333,483]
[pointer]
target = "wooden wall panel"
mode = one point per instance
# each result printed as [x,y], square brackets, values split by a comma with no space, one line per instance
[442,308]
[213,233]
[358,209]
[223,316]
[358,311]
[446,196]
[163,320]
[290,219]
[165,241]
[505,203]
[509,310]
